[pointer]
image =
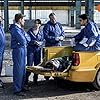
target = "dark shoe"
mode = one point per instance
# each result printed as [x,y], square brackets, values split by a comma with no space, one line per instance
[20,93]
[35,78]
[25,89]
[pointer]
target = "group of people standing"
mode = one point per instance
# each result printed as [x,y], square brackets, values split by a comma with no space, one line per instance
[26,46]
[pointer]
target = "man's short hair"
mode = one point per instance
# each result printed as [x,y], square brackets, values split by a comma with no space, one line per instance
[18,16]
[83,16]
[51,14]
[38,21]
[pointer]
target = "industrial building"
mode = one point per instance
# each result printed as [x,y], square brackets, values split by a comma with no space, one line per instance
[67,11]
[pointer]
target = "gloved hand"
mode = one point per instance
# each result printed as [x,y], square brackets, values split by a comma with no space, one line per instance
[38,43]
[60,38]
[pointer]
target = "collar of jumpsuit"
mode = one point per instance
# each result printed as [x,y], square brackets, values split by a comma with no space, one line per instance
[18,25]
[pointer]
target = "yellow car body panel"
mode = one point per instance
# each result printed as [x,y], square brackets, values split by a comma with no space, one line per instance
[83,75]
[53,52]
[87,69]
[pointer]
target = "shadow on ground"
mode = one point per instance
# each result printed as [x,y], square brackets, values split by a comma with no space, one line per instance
[46,89]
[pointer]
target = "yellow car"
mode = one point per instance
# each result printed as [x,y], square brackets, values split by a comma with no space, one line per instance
[85,65]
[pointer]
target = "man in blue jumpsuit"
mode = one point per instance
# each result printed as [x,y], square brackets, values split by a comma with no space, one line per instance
[34,47]
[53,32]
[89,37]
[2,47]
[19,39]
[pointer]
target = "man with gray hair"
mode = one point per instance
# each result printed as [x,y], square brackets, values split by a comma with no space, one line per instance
[53,32]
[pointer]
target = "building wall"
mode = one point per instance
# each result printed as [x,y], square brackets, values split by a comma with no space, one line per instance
[62,15]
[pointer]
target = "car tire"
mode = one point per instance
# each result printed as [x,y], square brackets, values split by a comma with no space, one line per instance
[96,82]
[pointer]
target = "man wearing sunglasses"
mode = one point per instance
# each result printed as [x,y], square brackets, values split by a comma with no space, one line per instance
[89,37]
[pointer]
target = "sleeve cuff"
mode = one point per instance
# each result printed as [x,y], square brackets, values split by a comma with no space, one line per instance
[86,45]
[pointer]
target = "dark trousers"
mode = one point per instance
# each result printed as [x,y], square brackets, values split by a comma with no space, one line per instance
[33,57]
[19,68]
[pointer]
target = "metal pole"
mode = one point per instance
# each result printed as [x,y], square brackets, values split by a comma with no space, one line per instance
[22,6]
[68,17]
[30,10]
[89,4]
[78,12]
[68,14]
[35,9]
[72,16]
[6,16]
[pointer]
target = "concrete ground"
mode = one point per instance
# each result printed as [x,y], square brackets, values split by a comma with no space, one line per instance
[46,90]
[50,90]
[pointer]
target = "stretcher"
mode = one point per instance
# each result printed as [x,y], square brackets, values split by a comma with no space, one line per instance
[85,65]
[49,53]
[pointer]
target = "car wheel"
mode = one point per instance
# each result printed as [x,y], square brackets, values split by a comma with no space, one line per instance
[96,82]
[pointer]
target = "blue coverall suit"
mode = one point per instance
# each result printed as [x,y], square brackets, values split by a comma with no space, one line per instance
[88,39]
[51,32]
[2,46]
[34,51]
[19,40]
